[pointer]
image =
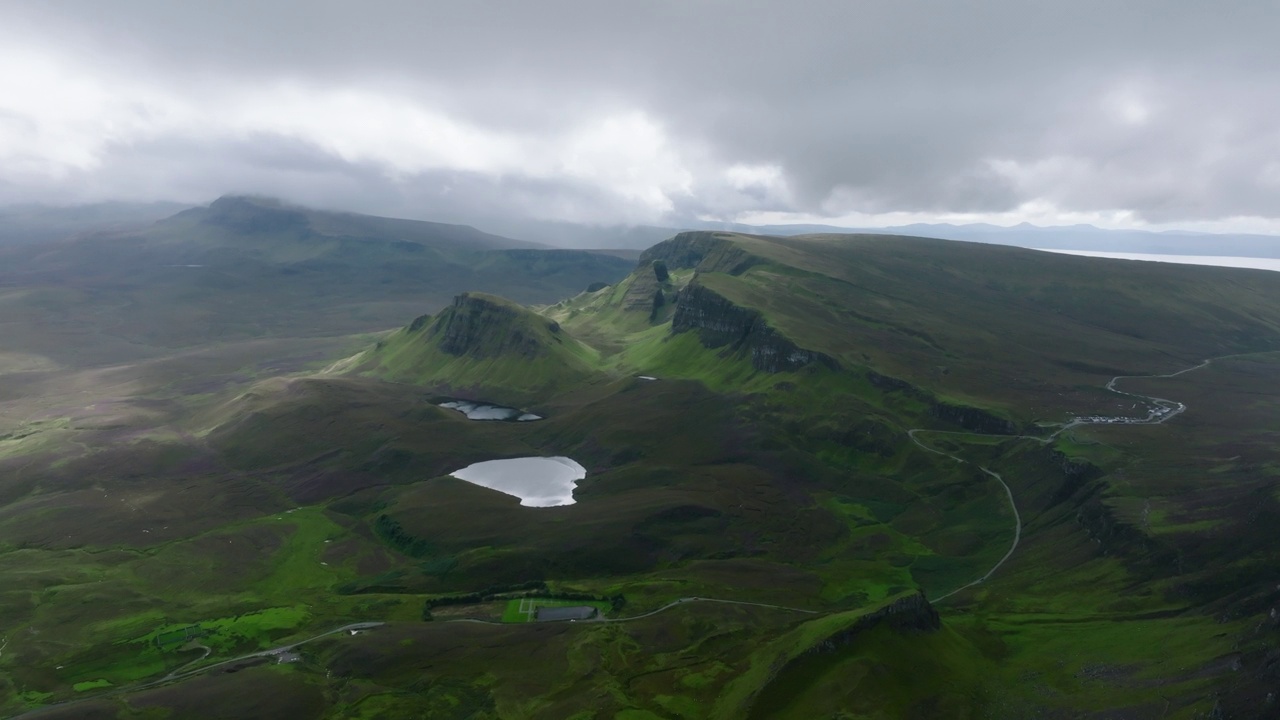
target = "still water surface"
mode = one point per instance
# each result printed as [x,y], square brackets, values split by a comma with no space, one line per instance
[1255,263]
[489,411]
[537,481]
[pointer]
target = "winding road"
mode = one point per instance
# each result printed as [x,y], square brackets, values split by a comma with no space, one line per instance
[1159,410]
[685,600]
[1017,517]
[179,674]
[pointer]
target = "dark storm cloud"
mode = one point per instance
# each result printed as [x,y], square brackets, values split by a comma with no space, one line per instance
[636,111]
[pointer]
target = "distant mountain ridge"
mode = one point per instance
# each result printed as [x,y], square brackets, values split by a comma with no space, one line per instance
[245,267]
[256,215]
[1063,237]
[22,224]
[35,224]
[1070,237]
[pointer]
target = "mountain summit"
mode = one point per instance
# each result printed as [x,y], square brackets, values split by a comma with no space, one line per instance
[485,347]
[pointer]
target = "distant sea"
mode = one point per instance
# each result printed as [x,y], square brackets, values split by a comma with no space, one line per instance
[1217,260]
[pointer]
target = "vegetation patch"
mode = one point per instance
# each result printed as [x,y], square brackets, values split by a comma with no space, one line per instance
[519,610]
[91,685]
[254,629]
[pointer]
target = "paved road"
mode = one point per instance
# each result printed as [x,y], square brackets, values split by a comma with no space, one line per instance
[1160,410]
[276,651]
[1017,517]
[1173,408]
[178,674]
[685,600]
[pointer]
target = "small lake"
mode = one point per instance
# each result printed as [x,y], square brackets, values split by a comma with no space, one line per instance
[489,411]
[537,481]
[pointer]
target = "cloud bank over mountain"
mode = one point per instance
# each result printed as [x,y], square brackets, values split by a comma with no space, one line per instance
[855,113]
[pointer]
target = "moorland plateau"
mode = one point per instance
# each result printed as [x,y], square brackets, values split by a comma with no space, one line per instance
[849,476]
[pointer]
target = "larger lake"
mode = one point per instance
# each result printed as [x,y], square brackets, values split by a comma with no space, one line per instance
[1254,263]
[537,481]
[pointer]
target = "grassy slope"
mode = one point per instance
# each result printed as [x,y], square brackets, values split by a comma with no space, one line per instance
[1196,321]
[512,354]
[1005,325]
[796,488]
[1082,321]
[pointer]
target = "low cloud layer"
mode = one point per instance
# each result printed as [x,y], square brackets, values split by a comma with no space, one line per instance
[1151,113]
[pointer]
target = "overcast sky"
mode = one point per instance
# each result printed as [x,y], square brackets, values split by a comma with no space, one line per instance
[1136,113]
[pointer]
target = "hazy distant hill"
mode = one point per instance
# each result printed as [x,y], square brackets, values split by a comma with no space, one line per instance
[581,236]
[41,223]
[252,267]
[1073,237]
[36,223]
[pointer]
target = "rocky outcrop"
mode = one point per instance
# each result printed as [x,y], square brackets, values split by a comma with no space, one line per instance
[1103,527]
[419,323]
[972,419]
[720,323]
[660,271]
[705,251]
[1076,475]
[659,301]
[641,292]
[249,216]
[891,384]
[684,250]
[481,327]
[906,614]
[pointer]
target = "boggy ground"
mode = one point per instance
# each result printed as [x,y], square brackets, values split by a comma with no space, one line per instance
[1071,621]
[249,506]
[264,507]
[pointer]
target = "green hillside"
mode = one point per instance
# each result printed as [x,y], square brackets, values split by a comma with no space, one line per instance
[1028,331]
[827,476]
[483,346]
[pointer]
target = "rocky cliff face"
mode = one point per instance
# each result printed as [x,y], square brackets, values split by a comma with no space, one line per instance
[973,419]
[479,327]
[1076,475]
[702,250]
[642,291]
[970,418]
[684,250]
[1116,537]
[721,323]
[891,384]
[911,613]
